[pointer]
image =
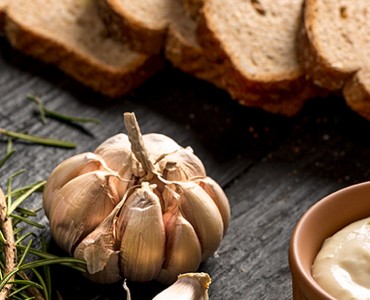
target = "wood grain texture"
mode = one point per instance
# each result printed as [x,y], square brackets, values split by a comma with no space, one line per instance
[272,168]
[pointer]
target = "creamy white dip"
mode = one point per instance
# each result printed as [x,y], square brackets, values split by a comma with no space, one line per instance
[342,267]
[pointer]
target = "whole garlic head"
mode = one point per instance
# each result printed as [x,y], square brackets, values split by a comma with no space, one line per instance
[139,207]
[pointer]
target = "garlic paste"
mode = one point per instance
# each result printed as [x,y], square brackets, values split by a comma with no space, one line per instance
[342,266]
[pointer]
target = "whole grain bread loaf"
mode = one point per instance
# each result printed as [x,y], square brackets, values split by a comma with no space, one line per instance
[335,48]
[70,35]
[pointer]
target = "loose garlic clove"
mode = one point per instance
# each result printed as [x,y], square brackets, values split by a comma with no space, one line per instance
[81,205]
[183,251]
[189,286]
[219,197]
[66,171]
[141,231]
[202,213]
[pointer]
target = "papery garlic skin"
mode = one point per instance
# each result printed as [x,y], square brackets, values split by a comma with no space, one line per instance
[183,250]
[202,213]
[219,197]
[100,251]
[141,231]
[116,152]
[66,171]
[73,217]
[181,165]
[139,207]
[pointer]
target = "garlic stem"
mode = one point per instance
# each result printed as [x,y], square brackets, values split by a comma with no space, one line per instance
[137,143]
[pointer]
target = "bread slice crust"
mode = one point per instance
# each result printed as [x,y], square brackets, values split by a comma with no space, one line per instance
[215,41]
[185,52]
[87,64]
[334,49]
[143,34]
[314,51]
[3,4]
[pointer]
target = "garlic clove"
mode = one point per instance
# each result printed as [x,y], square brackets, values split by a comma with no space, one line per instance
[189,286]
[159,145]
[141,231]
[99,251]
[81,205]
[213,189]
[183,251]
[181,165]
[116,151]
[202,213]
[66,171]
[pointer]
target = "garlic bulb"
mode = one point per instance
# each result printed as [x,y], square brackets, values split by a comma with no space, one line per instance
[139,207]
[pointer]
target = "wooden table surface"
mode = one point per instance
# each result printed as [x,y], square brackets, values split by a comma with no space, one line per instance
[272,168]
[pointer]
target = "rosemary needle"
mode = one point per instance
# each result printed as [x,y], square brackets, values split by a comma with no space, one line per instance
[9,152]
[45,112]
[37,139]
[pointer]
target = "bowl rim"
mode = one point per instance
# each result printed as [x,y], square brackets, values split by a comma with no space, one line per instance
[303,279]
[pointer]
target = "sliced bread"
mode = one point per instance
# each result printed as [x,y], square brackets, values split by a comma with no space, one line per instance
[192,7]
[142,24]
[256,42]
[267,75]
[335,49]
[70,35]
[184,52]
[3,4]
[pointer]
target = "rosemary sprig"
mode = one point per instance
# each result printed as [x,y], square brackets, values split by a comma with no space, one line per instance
[9,186]
[17,258]
[71,262]
[21,199]
[45,112]
[37,139]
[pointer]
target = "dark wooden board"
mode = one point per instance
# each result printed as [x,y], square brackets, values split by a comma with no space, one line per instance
[272,168]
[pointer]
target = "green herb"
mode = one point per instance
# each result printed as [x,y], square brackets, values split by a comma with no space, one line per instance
[45,112]
[15,258]
[37,139]
[9,152]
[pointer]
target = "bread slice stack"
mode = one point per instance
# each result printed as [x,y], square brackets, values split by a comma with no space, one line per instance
[247,48]
[251,54]
[335,49]
[273,55]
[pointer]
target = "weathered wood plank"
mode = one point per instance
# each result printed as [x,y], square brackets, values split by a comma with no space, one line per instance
[272,168]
